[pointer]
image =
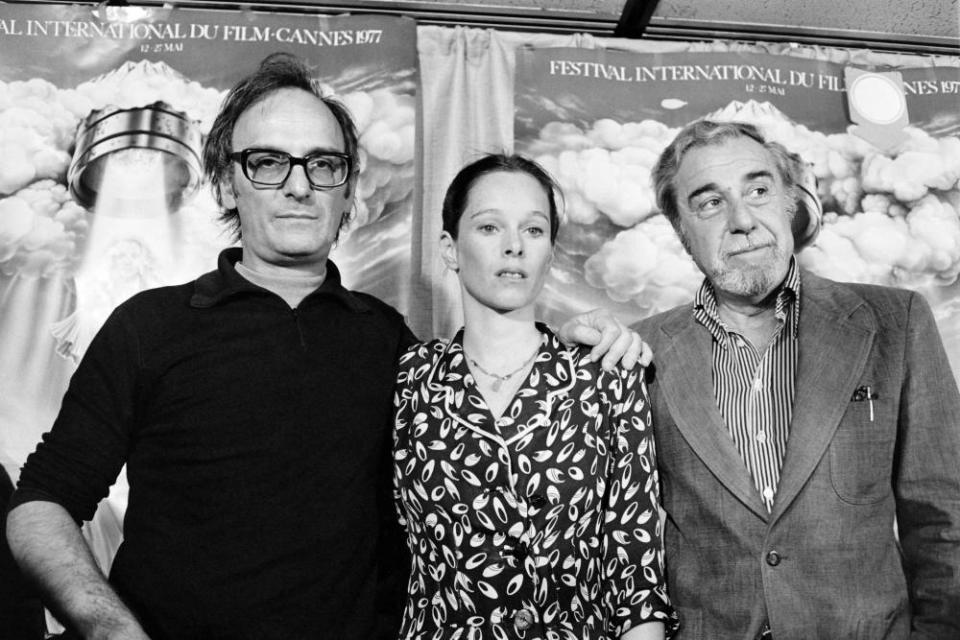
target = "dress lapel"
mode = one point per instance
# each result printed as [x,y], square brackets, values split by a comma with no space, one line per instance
[552,376]
[833,351]
[685,379]
[462,400]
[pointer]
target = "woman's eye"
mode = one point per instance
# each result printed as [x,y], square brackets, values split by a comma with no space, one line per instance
[488,228]
[535,231]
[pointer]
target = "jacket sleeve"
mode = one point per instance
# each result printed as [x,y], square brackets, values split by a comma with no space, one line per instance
[927,479]
[80,457]
[633,529]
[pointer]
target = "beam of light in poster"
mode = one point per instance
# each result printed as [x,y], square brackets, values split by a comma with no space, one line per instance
[113,103]
[599,119]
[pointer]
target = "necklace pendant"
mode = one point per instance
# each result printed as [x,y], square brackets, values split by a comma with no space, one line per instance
[496,384]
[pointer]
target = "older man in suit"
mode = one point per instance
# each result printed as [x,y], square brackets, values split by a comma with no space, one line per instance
[808,431]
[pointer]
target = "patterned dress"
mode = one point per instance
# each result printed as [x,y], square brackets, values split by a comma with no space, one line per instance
[543,524]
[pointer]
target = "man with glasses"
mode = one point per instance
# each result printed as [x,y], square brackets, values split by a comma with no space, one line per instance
[252,408]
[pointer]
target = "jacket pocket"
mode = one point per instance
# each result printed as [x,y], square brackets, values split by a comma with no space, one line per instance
[861,453]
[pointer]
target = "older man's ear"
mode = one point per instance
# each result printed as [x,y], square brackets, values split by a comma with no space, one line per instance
[808,218]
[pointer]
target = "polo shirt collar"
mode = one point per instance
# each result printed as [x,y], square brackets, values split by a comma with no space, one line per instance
[214,287]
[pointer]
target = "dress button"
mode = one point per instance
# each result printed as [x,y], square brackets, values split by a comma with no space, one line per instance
[522,620]
[773,558]
[537,501]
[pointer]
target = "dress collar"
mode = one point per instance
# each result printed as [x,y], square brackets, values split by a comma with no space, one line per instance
[552,376]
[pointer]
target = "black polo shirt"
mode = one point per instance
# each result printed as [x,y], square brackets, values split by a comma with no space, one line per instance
[256,438]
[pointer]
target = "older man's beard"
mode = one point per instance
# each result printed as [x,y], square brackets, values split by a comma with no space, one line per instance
[749,280]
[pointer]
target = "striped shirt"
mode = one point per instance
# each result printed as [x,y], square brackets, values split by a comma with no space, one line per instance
[755,391]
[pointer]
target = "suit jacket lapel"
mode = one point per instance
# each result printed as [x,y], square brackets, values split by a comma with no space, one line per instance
[833,351]
[686,381]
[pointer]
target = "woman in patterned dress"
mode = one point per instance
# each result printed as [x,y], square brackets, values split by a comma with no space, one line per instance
[524,474]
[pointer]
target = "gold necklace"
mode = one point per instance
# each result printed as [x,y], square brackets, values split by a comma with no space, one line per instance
[500,378]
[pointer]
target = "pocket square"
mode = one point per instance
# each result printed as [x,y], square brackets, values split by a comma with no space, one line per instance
[863,393]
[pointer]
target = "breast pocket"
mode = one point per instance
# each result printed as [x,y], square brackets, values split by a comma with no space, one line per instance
[861,452]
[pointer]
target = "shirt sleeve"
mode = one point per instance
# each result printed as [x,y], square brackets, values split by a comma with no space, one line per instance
[78,460]
[927,479]
[633,529]
[411,369]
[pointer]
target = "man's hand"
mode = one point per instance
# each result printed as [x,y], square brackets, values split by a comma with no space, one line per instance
[612,340]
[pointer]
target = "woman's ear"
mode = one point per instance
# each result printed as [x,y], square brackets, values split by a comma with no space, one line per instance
[448,252]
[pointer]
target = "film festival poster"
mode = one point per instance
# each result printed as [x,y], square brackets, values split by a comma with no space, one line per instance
[598,120]
[68,257]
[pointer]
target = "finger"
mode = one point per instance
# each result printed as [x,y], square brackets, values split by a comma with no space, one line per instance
[630,358]
[580,334]
[617,350]
[646,353]
[608,335]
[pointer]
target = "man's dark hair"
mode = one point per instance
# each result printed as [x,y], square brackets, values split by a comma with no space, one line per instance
[277,71]
[702,133]
[455,201]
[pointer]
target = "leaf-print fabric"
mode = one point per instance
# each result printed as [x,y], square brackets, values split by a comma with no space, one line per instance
[542,524]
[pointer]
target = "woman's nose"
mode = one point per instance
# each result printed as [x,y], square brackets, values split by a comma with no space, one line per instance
[513,244]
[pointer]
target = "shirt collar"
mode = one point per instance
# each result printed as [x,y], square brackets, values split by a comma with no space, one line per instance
[214,287]
[787,305]
[451,368]
[552,377]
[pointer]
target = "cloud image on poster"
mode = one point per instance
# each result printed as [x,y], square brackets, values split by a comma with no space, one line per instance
[889,217]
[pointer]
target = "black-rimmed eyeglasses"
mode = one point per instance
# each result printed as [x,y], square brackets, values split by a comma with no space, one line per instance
[271,168]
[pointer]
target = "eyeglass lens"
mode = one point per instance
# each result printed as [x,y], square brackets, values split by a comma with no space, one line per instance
[273,168]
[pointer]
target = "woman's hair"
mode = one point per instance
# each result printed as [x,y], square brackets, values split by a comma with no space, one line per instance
[276,72]
[455,201]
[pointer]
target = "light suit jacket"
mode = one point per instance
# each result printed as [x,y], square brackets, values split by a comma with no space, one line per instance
[827,562]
